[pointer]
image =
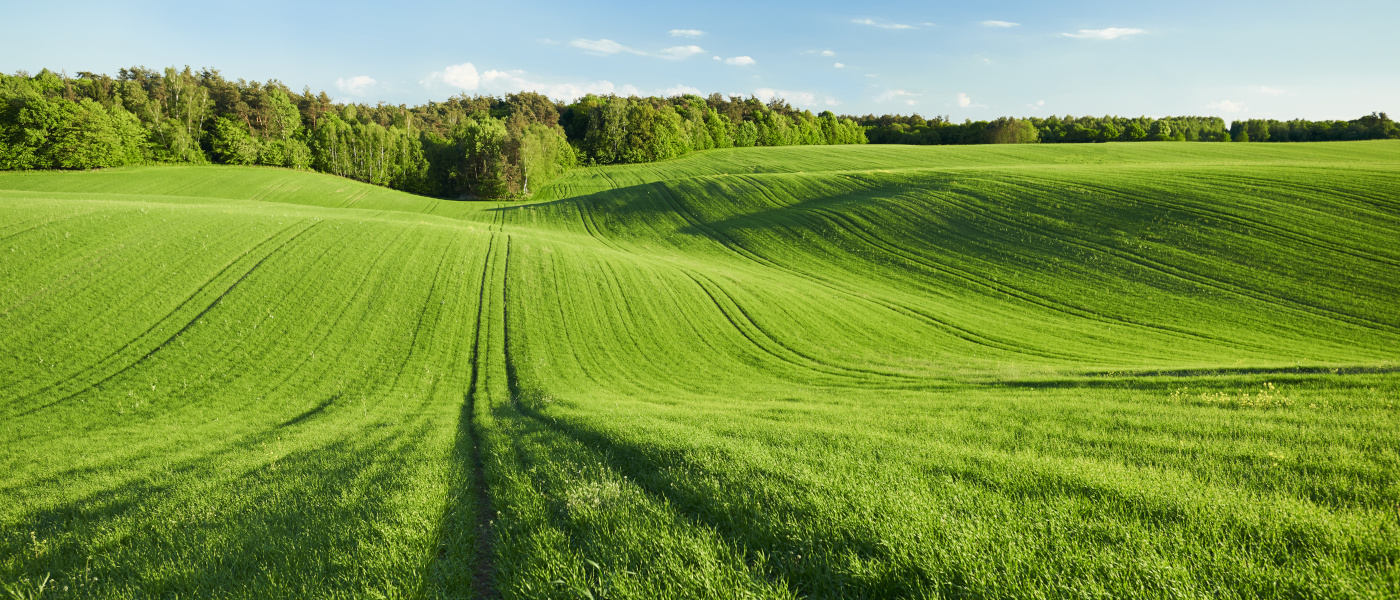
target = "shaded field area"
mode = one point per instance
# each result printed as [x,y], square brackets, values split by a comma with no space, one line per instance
[1146,370]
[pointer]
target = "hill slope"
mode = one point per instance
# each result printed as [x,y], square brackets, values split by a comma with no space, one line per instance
[1138,370]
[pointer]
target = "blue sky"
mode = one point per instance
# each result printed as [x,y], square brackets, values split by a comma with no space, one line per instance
[1236,60]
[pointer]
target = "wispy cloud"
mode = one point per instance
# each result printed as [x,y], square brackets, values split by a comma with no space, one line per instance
[965,101]
[676,52]
[687,33]
[680,90]
[828,53]
[604,47]
[1108,33]
[1036,105]
[798,98]
[881,24]
[1227,106]
[904,96]
[741,61]
[839,65]
[608,47]
[1000,24]
[355,86]
[466,77]
[1270,91]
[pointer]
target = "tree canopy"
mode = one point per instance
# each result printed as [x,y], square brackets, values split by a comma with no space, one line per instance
[495,147]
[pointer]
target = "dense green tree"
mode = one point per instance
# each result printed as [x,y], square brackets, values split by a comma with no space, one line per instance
[1011,131]
[1134,131]
[233,144]
[490,147]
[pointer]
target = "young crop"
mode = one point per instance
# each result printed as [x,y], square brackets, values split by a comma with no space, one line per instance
[1147,370]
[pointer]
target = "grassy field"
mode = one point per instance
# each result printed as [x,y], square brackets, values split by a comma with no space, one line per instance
[1119,370]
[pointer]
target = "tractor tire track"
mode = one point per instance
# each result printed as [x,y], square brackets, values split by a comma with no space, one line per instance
[483,559]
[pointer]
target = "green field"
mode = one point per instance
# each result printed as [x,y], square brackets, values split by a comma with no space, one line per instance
[1150,370]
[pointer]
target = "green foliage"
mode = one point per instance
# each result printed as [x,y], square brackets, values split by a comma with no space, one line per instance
[1134,132]
[185,116]
[45,134]
[1012,131]
[544,156]
[1161,131]
[746,135]
[233,144]
[894,129]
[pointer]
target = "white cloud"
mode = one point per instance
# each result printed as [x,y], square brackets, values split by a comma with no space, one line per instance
[742,61]
[1270,91]
[1227,106]
[603,47]
[466,77]
[1036,105]
[839,65]
[516,80]
[677,52]
[902,95]
[966,102]
[462,76]
[609,47]
[881,24]
[356,85]
[797,98]
[1109,33]
[680,90]
[828,53]
[687,33]
[1000,24]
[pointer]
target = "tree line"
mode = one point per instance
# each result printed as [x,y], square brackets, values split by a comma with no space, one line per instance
[914,129]
[494,147]
[468,146]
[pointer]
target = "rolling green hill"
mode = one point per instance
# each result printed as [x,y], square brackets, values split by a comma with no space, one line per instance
[1147,370]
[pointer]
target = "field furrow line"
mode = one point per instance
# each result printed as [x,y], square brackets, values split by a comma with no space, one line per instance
[852,226]
[909,311]
[191,323]
[1084,312]
[814,364]
[998,288]
[423,310]
[174,311]
[362,288]
[1189,276]
[738,249]
[1235,218]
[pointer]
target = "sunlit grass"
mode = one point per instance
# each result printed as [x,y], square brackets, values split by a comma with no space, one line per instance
[1147,370]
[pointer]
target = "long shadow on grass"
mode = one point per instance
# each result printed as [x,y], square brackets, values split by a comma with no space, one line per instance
[297,525]
[817,567]
[461,564]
